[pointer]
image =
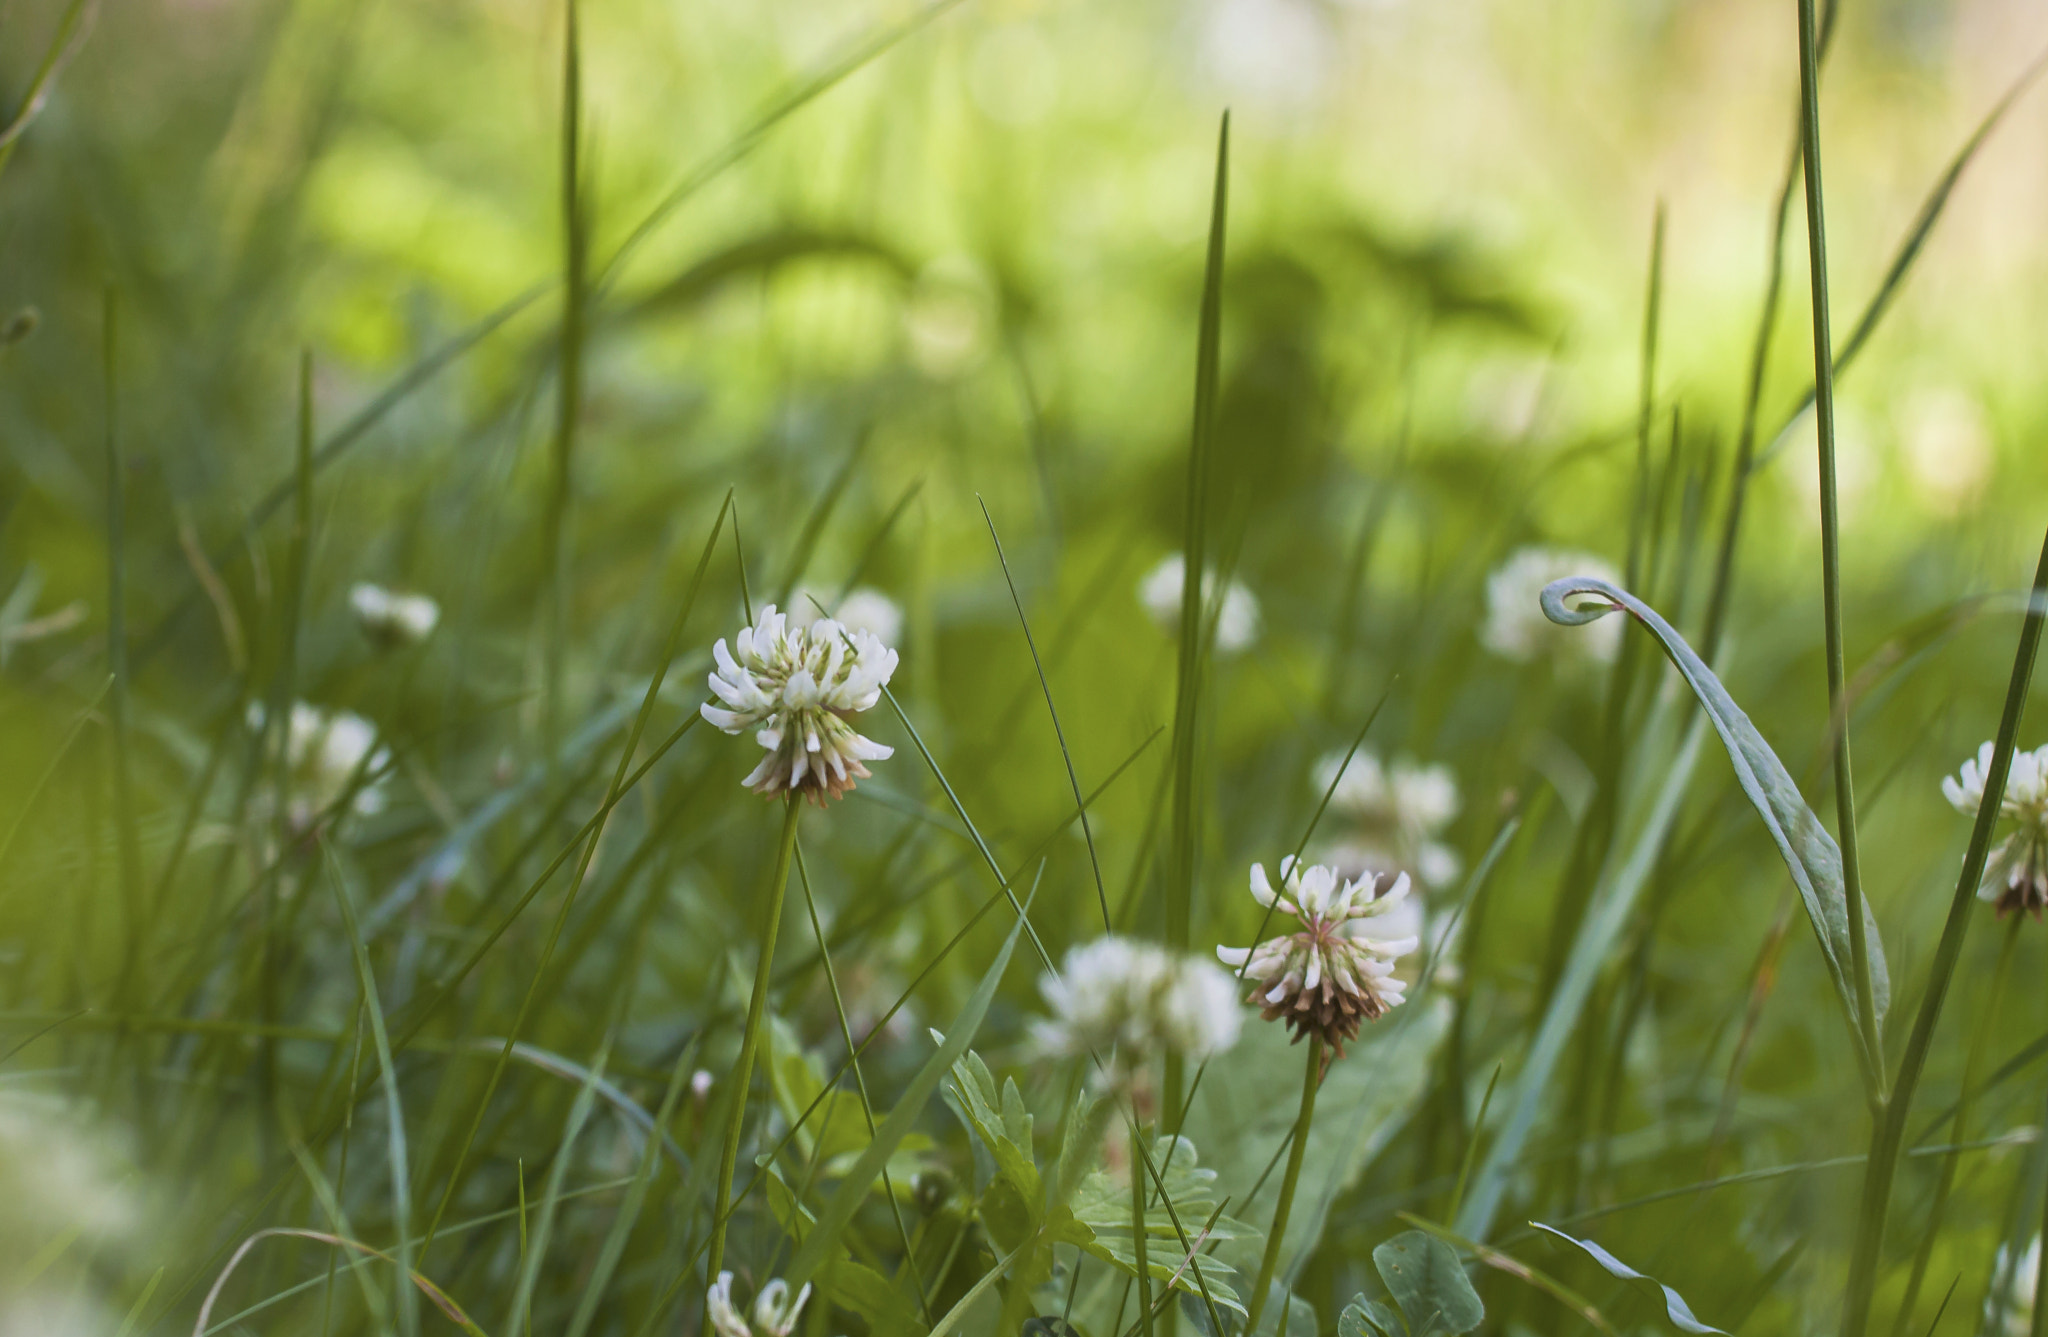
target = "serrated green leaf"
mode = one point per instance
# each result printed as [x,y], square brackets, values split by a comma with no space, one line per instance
[1428,1282]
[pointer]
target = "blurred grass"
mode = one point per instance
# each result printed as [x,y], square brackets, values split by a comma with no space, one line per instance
[863,266]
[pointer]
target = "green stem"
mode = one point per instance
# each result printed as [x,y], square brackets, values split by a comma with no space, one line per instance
[1889,1136]
[750,1042]
[1138,1228]
[1269,1263]
[1960,1130]
[1830,540]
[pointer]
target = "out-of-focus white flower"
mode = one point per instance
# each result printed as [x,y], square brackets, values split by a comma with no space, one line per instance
[1515,626]
[1276,52]
[391,619]
[46,1313]
[1237,617]
[1138,999]
[2014,1289]
[1398,809]
[801,684]
[323,751]
[1947,444]
[859,609]
[59,1173]
[1324,975]
[2016,874]
[775,1312]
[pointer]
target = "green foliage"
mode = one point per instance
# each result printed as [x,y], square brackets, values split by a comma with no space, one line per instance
[1429,1288]
[601,326]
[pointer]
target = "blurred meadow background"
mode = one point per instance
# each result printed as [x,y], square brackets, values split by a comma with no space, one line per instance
[429,931]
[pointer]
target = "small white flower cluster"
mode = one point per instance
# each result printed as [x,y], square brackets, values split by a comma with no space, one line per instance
[322,752]
[775,1313]
[1324,975]
[801,682]
[1395,815]
[1140,1000]
[2016,874]
[1237,617]
[391,619]
[1516,628]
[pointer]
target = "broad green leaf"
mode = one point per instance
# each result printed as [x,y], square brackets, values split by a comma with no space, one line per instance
[1428,1282]
[1675,1307]
[1809,852]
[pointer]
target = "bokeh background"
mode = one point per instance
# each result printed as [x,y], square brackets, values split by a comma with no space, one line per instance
[968,273]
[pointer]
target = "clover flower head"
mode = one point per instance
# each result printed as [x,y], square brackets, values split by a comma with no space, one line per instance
[1139,1000]
[323,750]
[2013,1288]
[1516,628]
[1237,616]
[801,682]
[1325,975]
[2016,874]
[391,619]
[775,1313]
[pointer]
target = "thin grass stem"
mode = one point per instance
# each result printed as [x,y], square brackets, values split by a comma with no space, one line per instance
[1889,1136]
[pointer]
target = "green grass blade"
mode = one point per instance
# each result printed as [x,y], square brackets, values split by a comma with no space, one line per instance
[1889,1135]
[1066,755]
[588,844]
[859,1181]
[127,834]
[394,1110]
[556,558]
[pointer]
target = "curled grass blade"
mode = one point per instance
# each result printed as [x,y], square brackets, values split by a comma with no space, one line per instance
[1810,854]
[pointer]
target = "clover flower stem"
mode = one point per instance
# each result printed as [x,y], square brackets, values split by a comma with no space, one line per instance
[1269,1263]
[750,1041]
[1138,1226]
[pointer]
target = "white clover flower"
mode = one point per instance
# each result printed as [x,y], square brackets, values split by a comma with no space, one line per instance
[1324,975]
[859,609]
[775,1313]
[2016,874]
[391,619]
[322,753]
[1515,626]
[801,684]
[1237,618]
[1137,999]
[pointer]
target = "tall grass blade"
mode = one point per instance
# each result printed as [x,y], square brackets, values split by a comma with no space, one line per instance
[1889,1136]
[394,1109]
[1183,839]
[555,540]
[587,841]
[1066,756]
[126,832]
